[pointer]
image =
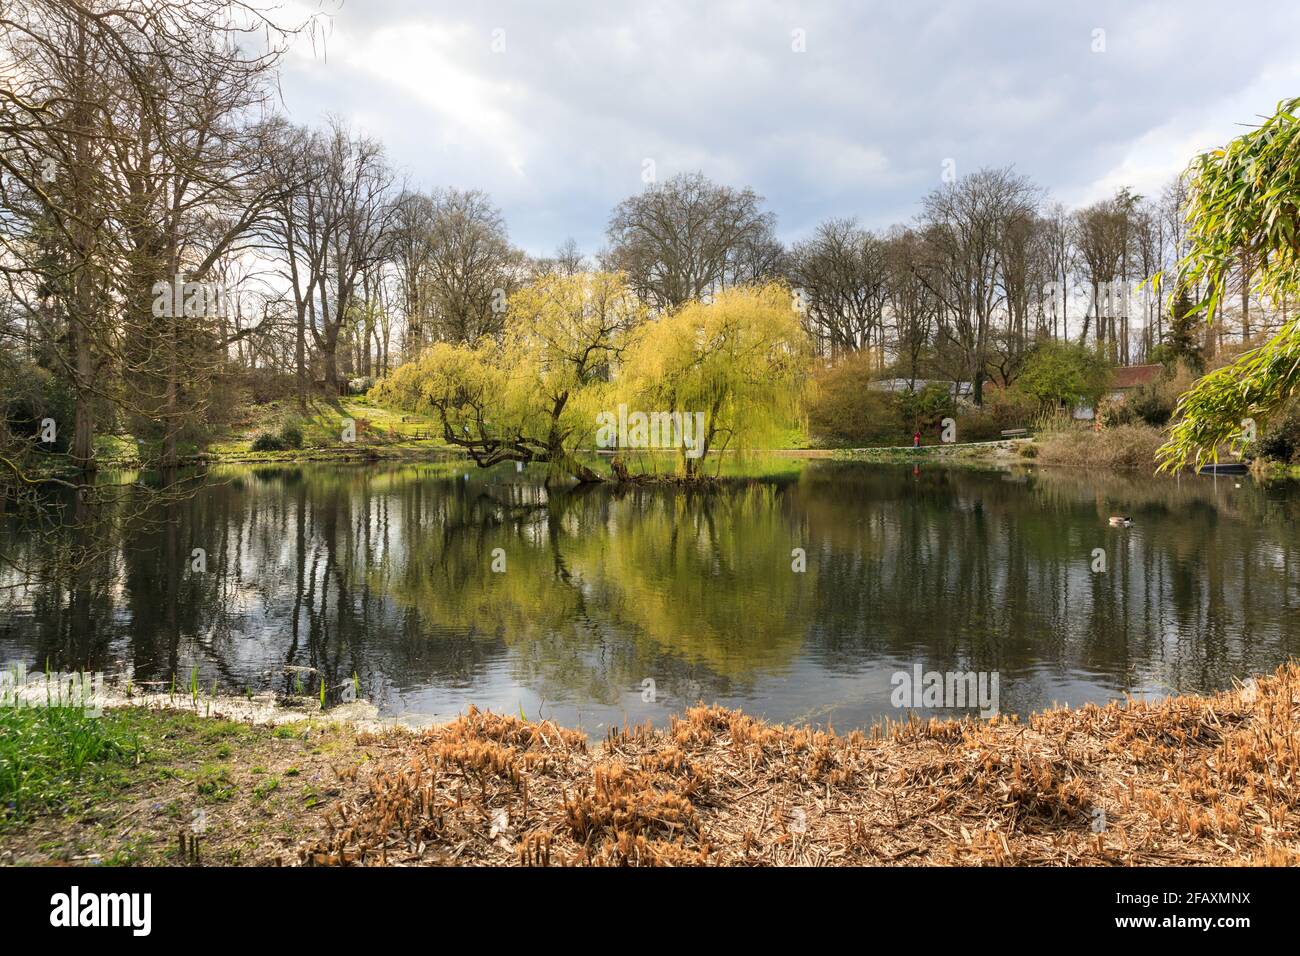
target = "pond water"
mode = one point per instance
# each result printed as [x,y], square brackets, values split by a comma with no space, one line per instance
[387,572]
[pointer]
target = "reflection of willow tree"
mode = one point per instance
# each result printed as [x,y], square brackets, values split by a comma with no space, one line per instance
[702,577]
[707,575]
[387,572]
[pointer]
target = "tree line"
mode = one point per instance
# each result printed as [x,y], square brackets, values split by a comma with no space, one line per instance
[143,153]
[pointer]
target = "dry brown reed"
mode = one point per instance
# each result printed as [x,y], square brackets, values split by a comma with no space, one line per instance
[1115,448]
[1185,780]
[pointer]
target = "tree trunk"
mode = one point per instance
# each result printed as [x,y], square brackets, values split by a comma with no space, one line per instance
[83,429]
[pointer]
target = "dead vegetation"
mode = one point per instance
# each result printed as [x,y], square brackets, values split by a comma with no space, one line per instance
[1186,780]
[1116,448]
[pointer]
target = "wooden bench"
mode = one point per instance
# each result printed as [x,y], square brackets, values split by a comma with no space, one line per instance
[1015,433]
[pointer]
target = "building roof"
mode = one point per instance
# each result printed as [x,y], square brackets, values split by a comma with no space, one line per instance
[1131,376]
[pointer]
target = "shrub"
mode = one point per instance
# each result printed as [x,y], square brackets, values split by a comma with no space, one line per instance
[268,441]
[1280,439]
[1002,410]
[978,424]
[291,435]
[1148,405]
[845,411]
[30,394]
[1063,374]
[1153,404]
[925,410]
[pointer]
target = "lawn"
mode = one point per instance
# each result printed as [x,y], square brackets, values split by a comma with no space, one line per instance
[137,784]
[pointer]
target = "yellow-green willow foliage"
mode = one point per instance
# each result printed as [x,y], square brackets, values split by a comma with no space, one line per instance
[741,359]
[533,395]
[675,572]
[577,346]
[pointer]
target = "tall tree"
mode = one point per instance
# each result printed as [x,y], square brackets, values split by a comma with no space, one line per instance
[841,278]
[331,230]
[471,269]
[966,224]
[682,238]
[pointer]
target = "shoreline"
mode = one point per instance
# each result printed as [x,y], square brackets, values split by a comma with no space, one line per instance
[1010,453]
[1000,453]
[1182,780]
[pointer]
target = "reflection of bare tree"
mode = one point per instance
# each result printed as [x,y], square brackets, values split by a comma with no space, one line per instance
[958,570]
[386,573]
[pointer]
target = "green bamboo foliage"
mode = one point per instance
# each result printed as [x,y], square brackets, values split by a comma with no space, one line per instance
[1243,199]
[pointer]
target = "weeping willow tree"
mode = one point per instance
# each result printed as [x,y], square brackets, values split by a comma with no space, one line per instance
[1243,203]
[533,395]
[737,363]
[576,348]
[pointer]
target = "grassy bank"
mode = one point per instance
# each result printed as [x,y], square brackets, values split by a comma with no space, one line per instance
[376,433]
[144,786]
[991,453]
[1186,780]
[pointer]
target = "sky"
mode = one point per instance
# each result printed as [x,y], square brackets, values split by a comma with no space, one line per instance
[560,110]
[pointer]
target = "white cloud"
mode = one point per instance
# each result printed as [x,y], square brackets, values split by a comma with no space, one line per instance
[1152,159]
[555,128]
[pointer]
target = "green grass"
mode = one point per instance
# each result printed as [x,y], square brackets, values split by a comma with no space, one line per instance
[792,436]
[213,783]
[46,753]
[111,447]
[322,426]
[74,786]
[55,760]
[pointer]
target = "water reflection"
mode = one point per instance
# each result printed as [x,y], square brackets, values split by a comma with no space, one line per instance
[386,572]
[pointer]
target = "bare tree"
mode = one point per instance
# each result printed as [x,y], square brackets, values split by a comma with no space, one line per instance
[965,225]
[1060,259]
[913,306]
[470,268]
[679,239]
[332,222]
[293,233]
[132,158]
[1100,235]
[133,137]
[841,276]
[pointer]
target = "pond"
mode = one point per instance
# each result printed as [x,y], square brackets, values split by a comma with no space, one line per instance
[439,585]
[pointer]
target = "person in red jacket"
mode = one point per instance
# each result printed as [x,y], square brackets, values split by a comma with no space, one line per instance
[916,440]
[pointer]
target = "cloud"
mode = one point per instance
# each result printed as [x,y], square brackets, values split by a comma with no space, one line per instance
[556,119]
